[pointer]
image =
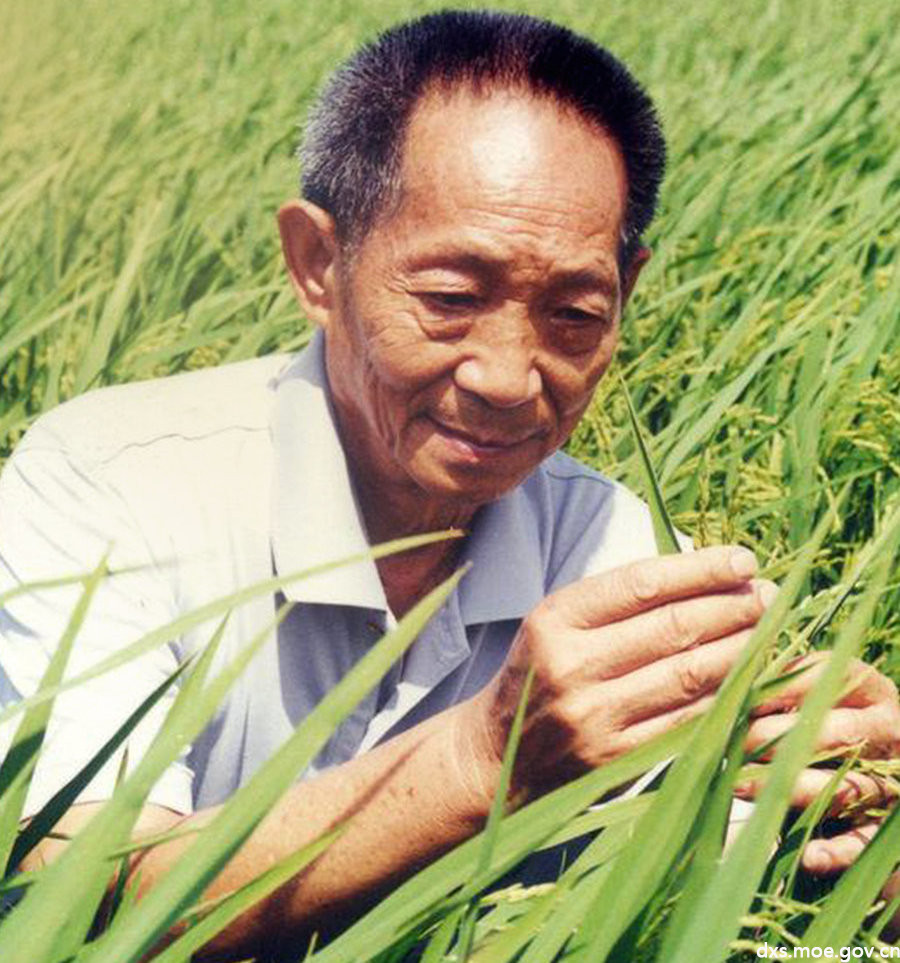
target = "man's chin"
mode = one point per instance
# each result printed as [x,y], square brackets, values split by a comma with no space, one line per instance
[472,486]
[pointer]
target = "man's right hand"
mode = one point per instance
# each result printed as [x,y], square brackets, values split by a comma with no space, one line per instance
[618,658]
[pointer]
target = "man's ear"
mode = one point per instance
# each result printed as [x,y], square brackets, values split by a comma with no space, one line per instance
[310,250]
[640,257]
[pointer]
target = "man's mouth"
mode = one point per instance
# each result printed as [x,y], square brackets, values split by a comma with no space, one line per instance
[483,440]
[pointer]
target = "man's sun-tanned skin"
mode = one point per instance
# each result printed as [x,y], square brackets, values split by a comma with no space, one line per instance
[464,336]
[471,327]
[474,331]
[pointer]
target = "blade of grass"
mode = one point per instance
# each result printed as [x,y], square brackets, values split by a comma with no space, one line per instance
[228,909]
[712,826]
[48,816]
[134,934]
[215,609]
[660,835]
[717,917]
[100,345]
[852,897]
[440,940]
[549,924]
[782,874]
[495,816]
[56,914]
[21,759]
[114,899]
[663,529]
[869,552]
[411,904]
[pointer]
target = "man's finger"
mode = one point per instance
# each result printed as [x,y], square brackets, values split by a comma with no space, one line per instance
[857,790]
[675,627]
[873,729]
[866,686]
[642,732]
[640,586]
[676,681]
[825,857]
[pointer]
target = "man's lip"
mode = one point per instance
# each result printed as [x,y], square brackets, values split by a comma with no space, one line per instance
[483,441]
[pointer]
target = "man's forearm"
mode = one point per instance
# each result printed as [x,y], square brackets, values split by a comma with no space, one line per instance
[405,803]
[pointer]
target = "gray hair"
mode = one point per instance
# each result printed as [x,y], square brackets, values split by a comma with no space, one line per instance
[353,143]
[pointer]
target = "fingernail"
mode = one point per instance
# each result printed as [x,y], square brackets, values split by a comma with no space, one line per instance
[743,563]
[816,859]
[767,592]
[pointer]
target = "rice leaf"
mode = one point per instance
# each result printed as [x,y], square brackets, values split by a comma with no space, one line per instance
[782,873]
[498,806]
[57,912]
[663,529]
[411,904]
[662,832]
[135,933]
[205,613]
[20,761]
[717,917]
[229,908]
[440,940]
[51,812]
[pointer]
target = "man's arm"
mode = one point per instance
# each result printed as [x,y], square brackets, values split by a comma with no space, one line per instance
[409,801]
[618,659]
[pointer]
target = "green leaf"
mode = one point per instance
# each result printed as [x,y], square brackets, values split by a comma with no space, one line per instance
[19,764]
[662,832]
[717,918]
[229,908]
[205,613]
[782,874]
[495,816]
[53,809]
[551,922]
[57,912]
[440,940]
[663,529]
[712,825]
[132,935]
[520,833]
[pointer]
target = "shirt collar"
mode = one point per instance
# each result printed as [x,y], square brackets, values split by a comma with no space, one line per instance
[316,518]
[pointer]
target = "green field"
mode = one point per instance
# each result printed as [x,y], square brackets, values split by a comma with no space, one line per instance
[144,150]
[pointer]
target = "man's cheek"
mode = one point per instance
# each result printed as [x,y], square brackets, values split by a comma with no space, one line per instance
[404,361]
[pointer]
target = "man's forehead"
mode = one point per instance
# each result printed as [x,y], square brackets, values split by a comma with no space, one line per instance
[507,161]
[497,128]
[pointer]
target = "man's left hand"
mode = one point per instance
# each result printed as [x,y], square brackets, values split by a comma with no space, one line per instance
[865,720]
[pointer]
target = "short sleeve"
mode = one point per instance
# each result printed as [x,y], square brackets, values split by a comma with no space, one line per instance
[59,518]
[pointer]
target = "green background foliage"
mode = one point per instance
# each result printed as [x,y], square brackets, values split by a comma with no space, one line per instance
[144,150]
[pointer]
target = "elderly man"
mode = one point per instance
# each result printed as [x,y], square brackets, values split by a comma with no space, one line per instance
[475,189]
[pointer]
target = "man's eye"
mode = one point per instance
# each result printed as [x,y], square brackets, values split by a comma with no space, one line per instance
[450,300]
[578,316]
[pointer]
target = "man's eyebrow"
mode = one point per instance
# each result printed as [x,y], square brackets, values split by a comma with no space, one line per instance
[570,281]
[467,262]
[585,281]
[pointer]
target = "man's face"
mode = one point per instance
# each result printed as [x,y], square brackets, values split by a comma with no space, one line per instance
[474,321]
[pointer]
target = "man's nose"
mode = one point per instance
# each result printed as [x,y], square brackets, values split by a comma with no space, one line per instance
[503,375]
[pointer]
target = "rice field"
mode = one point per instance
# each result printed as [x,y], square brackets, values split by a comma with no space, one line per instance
[144,150]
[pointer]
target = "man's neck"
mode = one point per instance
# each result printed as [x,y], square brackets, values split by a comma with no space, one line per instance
[391,513]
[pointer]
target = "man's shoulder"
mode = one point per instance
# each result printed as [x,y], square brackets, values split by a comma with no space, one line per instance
[191,406]
[577,487]
[598,523]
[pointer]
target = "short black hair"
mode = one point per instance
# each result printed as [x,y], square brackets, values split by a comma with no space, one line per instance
[353,143]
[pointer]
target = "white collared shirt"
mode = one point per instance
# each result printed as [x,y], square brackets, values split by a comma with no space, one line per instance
[211,481]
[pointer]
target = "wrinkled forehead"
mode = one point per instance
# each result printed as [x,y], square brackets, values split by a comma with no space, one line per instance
[510,144]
